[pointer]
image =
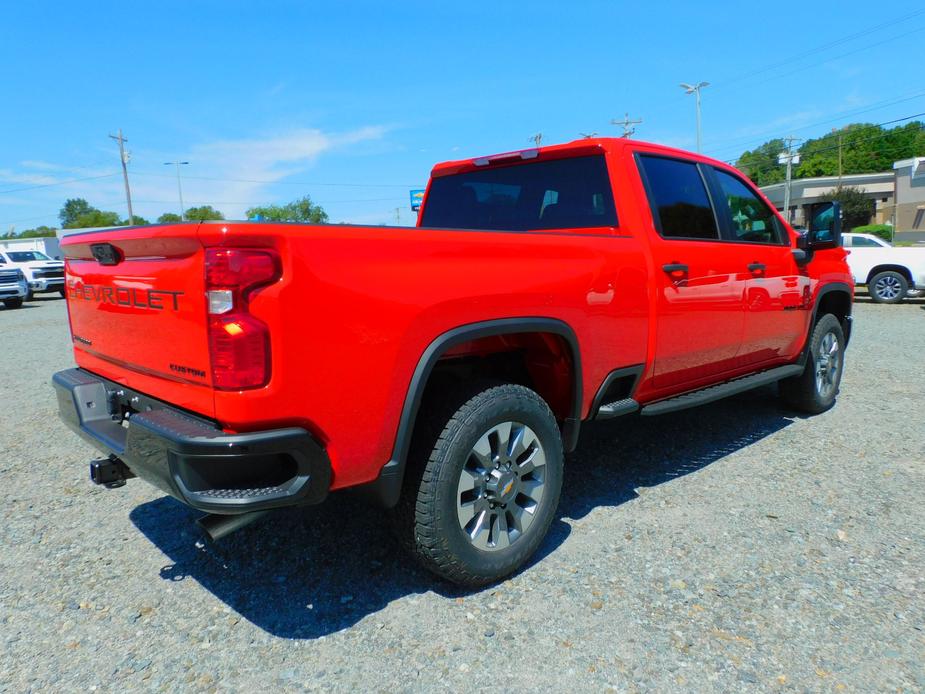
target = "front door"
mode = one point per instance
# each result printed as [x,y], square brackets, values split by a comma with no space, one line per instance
[700,280]
[777,293]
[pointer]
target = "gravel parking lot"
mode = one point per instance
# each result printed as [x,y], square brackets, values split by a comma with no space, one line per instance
[732,547]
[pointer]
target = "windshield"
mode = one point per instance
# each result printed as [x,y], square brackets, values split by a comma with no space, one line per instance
[26,256]
[569,193]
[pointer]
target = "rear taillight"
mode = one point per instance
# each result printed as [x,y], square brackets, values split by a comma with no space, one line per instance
[239,343]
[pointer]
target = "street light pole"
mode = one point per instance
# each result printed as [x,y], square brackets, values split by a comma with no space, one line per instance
[179,187]
[695,90]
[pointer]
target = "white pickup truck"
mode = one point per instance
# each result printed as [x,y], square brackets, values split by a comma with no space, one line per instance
[890,273]
[42,273]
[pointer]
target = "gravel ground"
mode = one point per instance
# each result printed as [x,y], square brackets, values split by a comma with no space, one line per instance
[732,547]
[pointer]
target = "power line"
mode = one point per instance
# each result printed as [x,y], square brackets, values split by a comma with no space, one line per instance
[288,183]
[842,55]
[818,49]
[841,116]
[823,47]
[57,183]
[627,124]
[851,142]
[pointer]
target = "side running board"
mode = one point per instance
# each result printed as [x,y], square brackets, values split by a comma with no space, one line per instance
[617,409]
[722,390]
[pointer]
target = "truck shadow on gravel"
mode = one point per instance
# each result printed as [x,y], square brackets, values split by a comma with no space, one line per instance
[305,573]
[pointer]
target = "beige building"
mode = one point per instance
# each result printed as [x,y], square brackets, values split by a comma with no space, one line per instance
[909,201]
[880,187]
[898,195]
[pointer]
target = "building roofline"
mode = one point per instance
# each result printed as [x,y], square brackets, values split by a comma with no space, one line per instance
[903,163]
[832,179]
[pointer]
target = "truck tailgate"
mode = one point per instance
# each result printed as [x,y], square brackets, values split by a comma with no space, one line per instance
[137,310]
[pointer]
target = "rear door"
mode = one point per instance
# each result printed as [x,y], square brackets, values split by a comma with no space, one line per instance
[136,303]
[777,291]
[700,279]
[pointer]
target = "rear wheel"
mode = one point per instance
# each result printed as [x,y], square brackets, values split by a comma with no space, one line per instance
[15,302]
[486,485]
[888,287]
[814,390]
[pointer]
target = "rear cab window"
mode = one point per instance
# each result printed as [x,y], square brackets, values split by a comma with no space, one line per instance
[570,193]
[861,242]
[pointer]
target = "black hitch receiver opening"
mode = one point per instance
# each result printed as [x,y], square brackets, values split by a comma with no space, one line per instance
[110,472]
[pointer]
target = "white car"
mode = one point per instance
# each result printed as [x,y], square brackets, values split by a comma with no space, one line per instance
[889,272]
[42,273]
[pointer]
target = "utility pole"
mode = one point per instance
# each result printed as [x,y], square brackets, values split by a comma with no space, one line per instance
[695,89]
[124,156]
[179,187]
[536,139]
[626,123]
[398,216]
[588,136]
[788,158]
[839,131]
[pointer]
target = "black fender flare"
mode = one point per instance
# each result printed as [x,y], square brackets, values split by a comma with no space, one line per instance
[386,489]
[828,288]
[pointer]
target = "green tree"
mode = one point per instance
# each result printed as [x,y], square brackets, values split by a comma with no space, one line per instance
[864,148]
[169,218]
[203,213]
[37,232]
[96,218]
[136,221]
[761,165]
[856,208]
[300,210]
[71,210]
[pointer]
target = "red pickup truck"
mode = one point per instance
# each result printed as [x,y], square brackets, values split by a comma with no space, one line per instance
[445,369]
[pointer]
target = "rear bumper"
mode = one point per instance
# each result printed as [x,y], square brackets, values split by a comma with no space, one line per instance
[190,458]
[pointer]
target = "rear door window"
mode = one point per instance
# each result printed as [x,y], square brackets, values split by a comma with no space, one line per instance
[678,197]
[751,219]
[571,193]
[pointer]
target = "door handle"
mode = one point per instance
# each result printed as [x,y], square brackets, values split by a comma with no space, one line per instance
[672,268]
[756,267]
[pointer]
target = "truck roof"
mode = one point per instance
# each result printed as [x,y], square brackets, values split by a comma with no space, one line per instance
[584,146]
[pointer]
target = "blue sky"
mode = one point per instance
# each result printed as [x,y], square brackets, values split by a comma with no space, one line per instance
[353,102]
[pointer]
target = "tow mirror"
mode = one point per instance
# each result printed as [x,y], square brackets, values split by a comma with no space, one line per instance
[824,227]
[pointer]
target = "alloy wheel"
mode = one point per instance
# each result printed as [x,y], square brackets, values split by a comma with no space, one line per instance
[501,486]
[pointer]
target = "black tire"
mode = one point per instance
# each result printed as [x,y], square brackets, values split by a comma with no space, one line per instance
[15,302]
[888,287]
[806,392]
[30,296]
[429,516]
[63,293]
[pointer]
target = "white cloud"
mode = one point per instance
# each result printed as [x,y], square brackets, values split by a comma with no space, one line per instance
[248,167]
[25,178]
[230,174]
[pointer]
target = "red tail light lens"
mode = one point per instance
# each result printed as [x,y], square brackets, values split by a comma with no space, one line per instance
[239,343]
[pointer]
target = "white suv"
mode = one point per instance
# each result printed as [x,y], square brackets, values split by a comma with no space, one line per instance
[42,273]
[889,273]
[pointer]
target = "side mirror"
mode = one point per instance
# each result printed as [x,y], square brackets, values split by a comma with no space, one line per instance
[824,227]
